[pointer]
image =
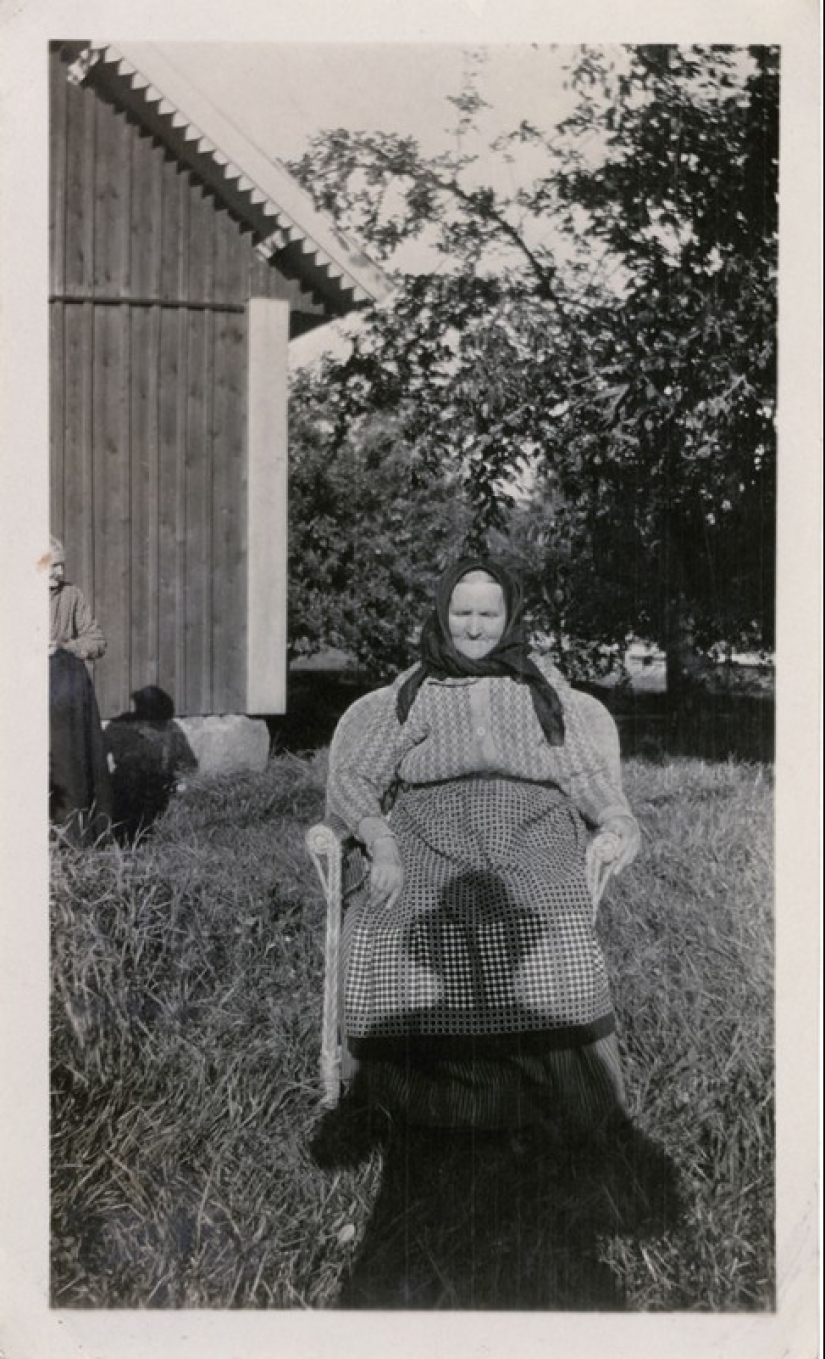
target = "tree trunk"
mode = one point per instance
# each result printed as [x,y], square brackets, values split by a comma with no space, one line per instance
[687,672]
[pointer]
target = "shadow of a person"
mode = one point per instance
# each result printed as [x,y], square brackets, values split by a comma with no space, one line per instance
[508,1218]
[150,754]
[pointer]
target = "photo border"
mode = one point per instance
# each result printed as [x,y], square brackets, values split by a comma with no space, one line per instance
[29,1329]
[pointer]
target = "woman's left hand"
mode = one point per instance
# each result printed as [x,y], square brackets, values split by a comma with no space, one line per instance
[626,830]
[386,872]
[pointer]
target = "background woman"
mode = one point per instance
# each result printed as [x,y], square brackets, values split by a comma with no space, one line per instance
[475,987]
[80,798]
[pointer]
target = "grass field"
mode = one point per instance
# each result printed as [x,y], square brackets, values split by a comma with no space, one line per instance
[191,1167]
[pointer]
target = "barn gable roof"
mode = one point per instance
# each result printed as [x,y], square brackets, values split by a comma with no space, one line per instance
[287,227]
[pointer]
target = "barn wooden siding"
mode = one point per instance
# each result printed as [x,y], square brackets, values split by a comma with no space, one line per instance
[150,278]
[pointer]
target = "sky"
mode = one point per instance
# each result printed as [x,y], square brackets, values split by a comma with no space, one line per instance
[282,94]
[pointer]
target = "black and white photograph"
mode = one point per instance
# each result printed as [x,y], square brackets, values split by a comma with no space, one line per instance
[405,546]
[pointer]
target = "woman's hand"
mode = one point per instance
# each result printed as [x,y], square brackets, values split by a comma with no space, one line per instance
[626,830]
[386,872]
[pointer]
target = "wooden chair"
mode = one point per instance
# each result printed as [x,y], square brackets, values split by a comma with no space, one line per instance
[334,851]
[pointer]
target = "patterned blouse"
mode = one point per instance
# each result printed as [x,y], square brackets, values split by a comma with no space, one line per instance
[458,727]
[73,626]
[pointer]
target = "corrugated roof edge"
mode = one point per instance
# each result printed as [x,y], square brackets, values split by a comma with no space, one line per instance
[278,209]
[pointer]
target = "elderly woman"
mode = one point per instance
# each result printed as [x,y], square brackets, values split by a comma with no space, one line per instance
[80,797]
[475,988]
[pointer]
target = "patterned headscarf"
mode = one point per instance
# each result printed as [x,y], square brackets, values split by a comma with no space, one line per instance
[509,657]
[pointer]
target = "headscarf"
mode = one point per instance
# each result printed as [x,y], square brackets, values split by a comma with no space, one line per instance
[56,552]
[509,657]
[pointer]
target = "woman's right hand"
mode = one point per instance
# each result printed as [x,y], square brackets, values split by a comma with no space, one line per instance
[386,872]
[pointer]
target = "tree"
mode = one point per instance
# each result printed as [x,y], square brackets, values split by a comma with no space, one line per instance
[369,525]
[686,200]
[606,329]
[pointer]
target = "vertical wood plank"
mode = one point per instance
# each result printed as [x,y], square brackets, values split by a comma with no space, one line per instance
[174,205]
[199,264]
[146,198]
[181,522]
[267,506]
[78,500]
[111,503]
[229,589]
[79,223]
[198,485]
[57,171]
[168,597]
[174,217]
[223,251]
[236,261]
[146,216]
[229,520]
[174,279]
[200,241]
[144,496]
[111,201]
[57,420]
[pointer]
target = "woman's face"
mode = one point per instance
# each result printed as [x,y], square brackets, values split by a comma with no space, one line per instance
[477,615]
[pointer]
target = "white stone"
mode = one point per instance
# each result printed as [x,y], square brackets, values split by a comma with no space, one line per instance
[230,744]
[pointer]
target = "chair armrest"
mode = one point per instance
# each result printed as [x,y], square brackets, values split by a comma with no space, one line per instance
[325,842]
[599,860]
[328,832]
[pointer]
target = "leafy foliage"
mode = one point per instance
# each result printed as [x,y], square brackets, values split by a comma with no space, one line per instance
[678,436]
[600,336]
[369,526]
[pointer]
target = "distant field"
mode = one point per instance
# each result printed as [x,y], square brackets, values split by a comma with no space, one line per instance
[190,1167]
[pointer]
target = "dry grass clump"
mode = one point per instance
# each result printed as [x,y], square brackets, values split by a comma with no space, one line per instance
[190,1168]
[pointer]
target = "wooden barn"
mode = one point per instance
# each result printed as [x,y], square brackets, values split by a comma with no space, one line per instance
[183,260]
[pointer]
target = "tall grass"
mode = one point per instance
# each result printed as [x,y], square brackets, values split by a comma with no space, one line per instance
[689,939]
[185,1122]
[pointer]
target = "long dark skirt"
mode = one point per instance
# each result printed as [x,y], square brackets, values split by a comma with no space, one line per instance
[481,997]
[80,794]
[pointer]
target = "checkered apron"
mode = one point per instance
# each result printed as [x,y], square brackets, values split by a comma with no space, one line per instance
[493,933]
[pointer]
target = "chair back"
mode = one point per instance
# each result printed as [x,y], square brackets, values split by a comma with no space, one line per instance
[602,728]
